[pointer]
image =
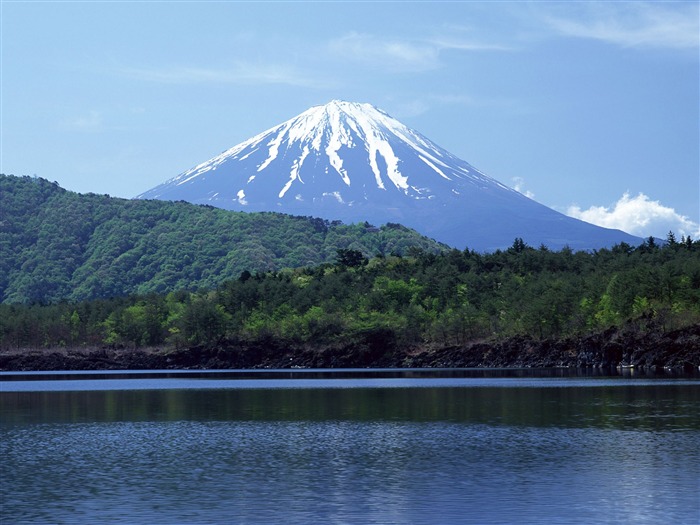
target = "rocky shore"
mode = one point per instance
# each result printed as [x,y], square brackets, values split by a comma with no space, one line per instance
[651,349]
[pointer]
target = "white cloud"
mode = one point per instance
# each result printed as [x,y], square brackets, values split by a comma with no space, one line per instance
[238,73]
[638,216]
[461,44]
[397,54]
[633,24]
[385,53]
[418,106]
[519,185]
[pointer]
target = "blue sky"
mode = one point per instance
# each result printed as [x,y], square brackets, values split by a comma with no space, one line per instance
[590,108]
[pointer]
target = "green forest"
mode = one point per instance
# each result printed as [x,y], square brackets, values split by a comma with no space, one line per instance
[58,245]
[420,298]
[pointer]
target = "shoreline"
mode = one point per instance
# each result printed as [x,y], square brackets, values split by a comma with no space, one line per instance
[677,350]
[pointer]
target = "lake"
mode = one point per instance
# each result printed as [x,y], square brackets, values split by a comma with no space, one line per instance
[359,446]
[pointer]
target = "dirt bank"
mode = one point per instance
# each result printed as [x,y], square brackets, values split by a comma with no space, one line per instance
[627,347]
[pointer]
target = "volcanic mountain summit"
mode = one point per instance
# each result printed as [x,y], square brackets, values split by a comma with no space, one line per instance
[356,163]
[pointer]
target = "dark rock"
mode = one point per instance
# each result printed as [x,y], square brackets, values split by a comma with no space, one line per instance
[652,348]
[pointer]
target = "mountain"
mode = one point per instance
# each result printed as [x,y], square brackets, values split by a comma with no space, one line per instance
[355,163]
[58,245]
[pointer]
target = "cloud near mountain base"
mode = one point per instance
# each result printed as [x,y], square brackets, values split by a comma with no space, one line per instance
[638,216]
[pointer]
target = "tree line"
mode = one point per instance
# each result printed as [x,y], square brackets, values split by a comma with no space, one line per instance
[420,298]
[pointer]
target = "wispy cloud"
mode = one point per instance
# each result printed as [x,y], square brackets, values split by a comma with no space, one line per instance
[90,122]
[519,186]
[238,73]
[402,54]
[464,44]
[410,108]
[672,25]
[424,103]
[639,216]
[385,53]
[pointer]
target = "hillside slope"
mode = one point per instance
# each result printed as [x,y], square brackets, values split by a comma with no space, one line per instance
[58,245]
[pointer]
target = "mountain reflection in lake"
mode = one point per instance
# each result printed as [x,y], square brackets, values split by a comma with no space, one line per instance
[498,450]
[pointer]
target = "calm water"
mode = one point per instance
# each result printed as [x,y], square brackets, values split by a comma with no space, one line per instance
[364,447]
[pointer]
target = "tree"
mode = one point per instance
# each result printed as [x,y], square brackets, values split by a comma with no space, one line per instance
[350,258]
[518,245]
[203,321]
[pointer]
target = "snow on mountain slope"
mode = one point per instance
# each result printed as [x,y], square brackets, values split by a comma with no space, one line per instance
[354,162]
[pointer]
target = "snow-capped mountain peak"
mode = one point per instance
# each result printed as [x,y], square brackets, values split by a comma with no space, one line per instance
[330,134]
[352,161]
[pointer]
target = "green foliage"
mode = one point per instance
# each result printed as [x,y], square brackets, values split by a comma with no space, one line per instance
[447,298]
[350,258]
[58,245]
[203,321]
[250,291]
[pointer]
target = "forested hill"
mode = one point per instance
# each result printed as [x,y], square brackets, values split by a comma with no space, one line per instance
[58,245]
[522,307]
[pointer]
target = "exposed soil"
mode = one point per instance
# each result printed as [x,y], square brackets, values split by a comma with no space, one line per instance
[651,348]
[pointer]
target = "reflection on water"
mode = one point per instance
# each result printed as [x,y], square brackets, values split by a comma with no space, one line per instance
[649,406]
[490,454]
